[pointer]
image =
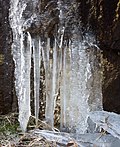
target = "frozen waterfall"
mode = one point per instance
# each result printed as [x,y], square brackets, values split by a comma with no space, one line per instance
[71,66]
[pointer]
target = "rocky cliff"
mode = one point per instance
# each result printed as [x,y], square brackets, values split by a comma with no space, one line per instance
[100,17]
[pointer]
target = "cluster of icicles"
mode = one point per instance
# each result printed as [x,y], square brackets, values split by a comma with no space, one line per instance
[69,69]
[74,68]
[55,77]
[53,69]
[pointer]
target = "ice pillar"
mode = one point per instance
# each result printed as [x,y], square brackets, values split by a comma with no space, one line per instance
[81,87]
[37,62]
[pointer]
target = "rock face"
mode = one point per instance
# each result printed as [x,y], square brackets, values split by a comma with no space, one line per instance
[102,17]
[111,86]
[6,61]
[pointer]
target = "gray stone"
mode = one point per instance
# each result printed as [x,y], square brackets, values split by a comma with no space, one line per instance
[109,121]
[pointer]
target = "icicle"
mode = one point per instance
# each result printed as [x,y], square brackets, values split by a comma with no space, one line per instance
[24,99]
[62,66]
[61,28]
[21,49]
[55,72]
[54,83]
[51,87]
[37,62]
[65,89]
[45,53]
[51,81]
[48,79]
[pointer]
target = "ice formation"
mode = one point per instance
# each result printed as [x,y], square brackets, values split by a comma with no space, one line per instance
[21,49]
[81,86]
[82,140]
[50,65]
[71,66]
[109,121]
[37,62]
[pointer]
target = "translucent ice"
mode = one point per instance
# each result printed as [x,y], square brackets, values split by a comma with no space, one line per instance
[109,121]
[37,62]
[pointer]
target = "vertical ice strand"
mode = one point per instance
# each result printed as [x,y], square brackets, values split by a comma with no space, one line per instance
[21,49]
[63,89]
[51,80]
[47,52]
[55,72]
[62,66]
[24,101]
[54,82]
[79,92]
[37,62]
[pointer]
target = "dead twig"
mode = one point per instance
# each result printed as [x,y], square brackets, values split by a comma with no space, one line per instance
[35,141]
[47,126]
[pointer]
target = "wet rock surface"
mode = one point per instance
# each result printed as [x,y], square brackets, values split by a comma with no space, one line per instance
[111,86]
[6,61]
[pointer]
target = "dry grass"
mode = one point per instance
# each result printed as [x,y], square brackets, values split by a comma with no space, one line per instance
[12,136]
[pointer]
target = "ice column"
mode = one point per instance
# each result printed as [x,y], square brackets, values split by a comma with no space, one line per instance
[65,87]
[50,58]
[78,90]
[21,49]
[48,64]
[81,84]
[24,100]
[46,60]
[54,83]
[37,62]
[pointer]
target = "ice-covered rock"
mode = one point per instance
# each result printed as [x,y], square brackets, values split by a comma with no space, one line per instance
[80,140]
[109,121]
